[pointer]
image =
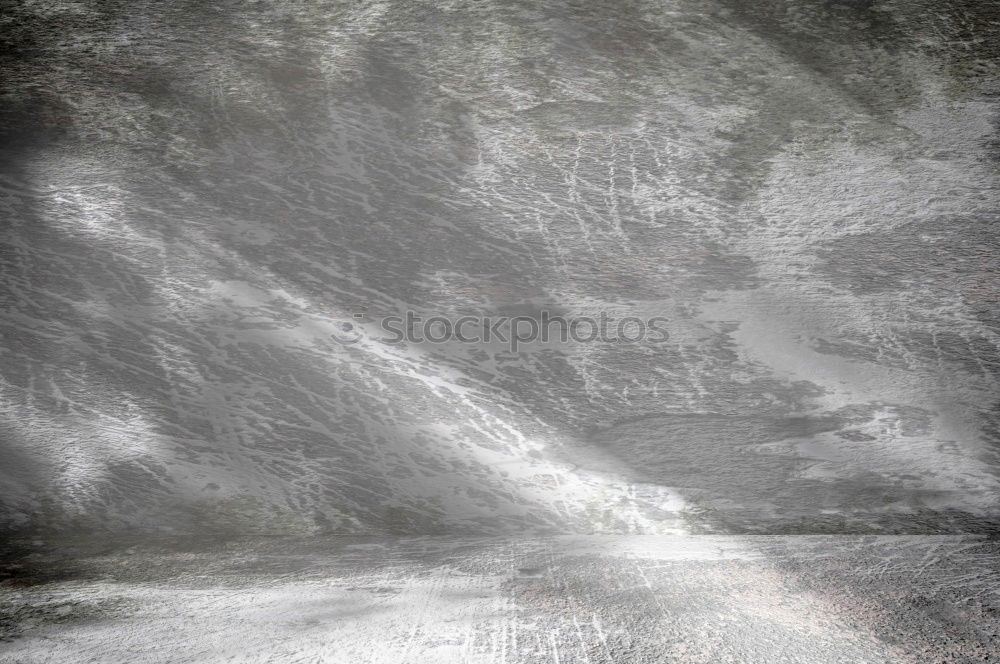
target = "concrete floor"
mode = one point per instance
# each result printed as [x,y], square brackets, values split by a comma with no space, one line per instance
[595,599]
[198,201]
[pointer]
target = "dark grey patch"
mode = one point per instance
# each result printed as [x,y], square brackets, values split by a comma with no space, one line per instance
[736,474]
[531,571]
[856,436]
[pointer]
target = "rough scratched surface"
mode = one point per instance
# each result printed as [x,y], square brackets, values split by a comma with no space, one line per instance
[196,197]
[599,599]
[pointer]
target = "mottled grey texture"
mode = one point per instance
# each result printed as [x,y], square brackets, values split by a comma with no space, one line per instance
[597,599]
[196,196]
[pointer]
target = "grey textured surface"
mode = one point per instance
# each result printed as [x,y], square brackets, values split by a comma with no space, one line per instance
[196,197]
[600,599]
